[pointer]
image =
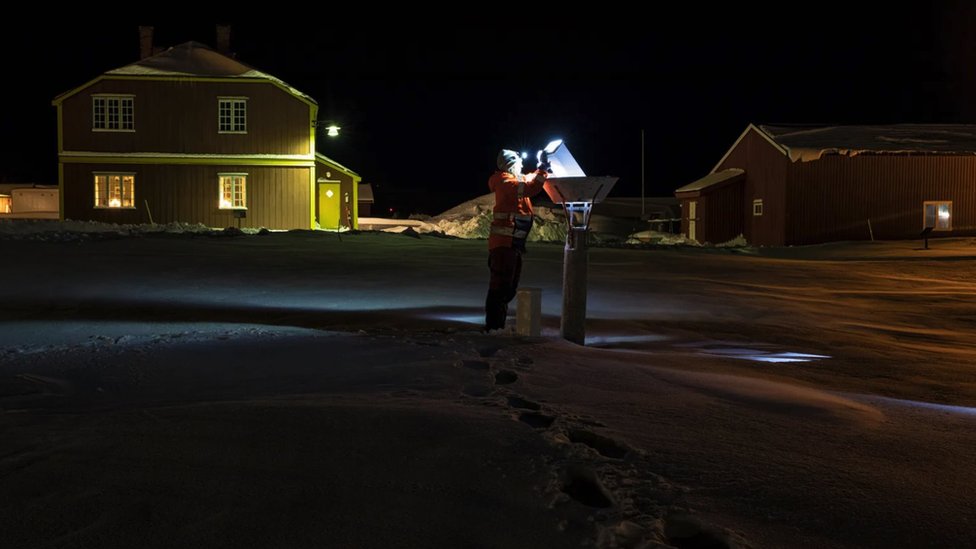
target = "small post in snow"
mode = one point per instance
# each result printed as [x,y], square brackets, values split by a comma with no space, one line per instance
[528,312]
[925,235]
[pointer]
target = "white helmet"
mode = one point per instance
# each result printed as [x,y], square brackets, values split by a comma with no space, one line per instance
[507,160]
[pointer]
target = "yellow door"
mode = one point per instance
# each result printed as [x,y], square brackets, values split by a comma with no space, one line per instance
[329,201]
[692,220]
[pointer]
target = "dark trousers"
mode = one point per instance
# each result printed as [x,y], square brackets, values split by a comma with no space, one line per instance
[506,267]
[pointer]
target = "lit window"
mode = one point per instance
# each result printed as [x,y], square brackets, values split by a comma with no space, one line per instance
[757,207]
[4,203]
[115,190]
[232,115]
[233,191]
[938,215]
[113,113]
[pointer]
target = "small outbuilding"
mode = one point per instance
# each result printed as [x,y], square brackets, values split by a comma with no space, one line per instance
[29,201]
[366,199]
[790,185]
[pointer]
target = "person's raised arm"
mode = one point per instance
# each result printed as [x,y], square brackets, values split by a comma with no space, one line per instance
[535,181]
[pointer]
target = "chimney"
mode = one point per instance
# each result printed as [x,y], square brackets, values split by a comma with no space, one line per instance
[223,40]
[145,42]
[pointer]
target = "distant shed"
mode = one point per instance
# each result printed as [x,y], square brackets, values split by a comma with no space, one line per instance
[29,202]
[790,185]
[366,199]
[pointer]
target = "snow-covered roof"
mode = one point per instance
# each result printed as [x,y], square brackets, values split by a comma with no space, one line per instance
[188,59]
[192,59]
[804,143]
[319,157]
[712,179]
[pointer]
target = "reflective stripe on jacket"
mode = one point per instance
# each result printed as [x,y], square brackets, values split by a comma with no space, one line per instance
[512,214]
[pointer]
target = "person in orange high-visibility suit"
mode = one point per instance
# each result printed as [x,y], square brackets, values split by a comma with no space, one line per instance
[510,226]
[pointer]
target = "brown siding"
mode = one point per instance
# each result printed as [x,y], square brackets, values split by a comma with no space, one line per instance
[832,198]
[277,197]
[766,170]
[717,225]
[684,213]
[324,171]
[175,116]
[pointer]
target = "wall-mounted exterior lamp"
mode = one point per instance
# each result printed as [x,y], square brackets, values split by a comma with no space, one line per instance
[331,129]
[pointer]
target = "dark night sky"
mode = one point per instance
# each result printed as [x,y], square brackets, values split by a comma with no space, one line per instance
[425,108]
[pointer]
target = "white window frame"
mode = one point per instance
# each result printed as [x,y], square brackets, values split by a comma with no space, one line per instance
[757,207]
[106,192]
[236,114]
[232,199]
[118,110]
[939,224]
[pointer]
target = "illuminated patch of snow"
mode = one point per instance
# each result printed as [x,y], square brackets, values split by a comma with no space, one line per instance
[963,410]
[610,341]
[727,350]
[761,356]
[459,317]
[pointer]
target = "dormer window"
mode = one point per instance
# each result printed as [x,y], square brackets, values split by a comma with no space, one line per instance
[113,113]
[232,115]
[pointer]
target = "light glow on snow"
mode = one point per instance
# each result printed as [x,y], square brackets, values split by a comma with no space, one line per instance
[761,356]
[610,340]
[459,317]
[948,408]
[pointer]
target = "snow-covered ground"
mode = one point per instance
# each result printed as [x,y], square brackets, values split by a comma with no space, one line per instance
[318,389]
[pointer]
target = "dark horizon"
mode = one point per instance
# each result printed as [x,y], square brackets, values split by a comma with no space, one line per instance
[424,110]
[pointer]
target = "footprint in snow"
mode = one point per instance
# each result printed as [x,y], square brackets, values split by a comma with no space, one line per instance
[505,377]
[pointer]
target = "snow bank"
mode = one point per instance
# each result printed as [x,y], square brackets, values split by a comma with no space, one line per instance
[737,242]
[472,219]
[664,239]
[50,229]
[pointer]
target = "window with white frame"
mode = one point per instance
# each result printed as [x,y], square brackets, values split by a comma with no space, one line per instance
[232,115]
[938,215]
[115,190]
[757,207]
[113,113]
[233,191]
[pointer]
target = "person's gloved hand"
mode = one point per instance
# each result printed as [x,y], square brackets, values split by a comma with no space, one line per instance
[544,163]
